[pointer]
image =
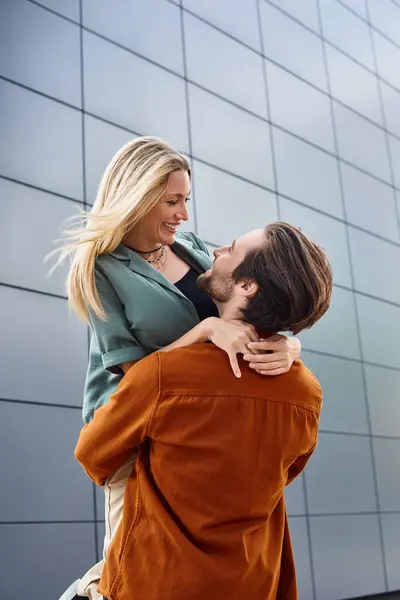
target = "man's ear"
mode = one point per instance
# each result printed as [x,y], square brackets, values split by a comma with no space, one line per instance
[247,288]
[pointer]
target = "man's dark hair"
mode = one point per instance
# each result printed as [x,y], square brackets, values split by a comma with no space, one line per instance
[294,281]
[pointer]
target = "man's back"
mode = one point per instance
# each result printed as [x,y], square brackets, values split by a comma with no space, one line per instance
[204,514]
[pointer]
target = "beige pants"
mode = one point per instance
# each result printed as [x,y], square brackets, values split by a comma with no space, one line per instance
[114,491]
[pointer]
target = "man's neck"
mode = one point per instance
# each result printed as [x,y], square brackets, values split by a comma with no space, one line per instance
[229,311]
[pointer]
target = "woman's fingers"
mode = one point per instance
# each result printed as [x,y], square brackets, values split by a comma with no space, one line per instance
[234,364]
[265,358]
[273,372]
[266,345]
[276,364]
[253,335]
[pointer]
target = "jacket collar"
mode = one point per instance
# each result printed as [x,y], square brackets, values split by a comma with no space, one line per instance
[182,248]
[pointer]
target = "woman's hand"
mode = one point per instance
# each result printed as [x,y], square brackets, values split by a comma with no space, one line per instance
[234,337]
[274,355]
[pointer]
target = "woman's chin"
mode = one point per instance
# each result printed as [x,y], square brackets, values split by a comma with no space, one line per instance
[167,238]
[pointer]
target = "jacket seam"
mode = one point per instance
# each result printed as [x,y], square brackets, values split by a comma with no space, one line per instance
[179,394]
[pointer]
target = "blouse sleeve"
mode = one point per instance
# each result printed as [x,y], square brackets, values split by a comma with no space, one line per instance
[114,338]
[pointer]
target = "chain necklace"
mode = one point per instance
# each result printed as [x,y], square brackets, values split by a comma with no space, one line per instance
[152,261]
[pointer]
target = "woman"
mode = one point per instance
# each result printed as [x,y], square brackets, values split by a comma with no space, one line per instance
[133,278]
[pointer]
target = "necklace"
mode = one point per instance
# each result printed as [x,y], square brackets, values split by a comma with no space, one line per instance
[148,251]
[152,261]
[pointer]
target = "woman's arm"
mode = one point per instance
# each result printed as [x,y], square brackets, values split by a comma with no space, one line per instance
[268,357]
[231,337]
[127,365]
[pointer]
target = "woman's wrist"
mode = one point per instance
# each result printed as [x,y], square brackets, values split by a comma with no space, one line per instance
[207,328]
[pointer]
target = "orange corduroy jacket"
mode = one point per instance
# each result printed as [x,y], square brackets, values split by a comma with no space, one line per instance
[204,513]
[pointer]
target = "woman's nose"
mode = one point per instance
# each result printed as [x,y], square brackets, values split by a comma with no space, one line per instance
[182,215]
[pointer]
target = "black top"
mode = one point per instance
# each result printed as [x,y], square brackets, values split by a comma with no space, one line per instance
[203,304]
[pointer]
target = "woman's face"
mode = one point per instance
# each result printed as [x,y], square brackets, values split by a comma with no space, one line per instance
[162,222]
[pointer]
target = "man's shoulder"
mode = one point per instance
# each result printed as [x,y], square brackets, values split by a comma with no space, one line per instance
[204,370]
[146,372]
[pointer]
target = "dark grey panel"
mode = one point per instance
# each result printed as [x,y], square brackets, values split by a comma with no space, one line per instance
[230,138]
[354,85]
[391,103]
[336,332]
[385,15]
[388,59]
[306,12]
[68,9]
[301,550]
[101,142]
[344,407]
[51,556]
[237,17]
[380,330]
[41,141]
[307,174]
[219,195]
[347,556]
[151,28]
[361,143]
[339,477]
[374,262]
[387,460]
[303,55]
[38,217]
[41,480]
[134,93]
[294,497]
[49,57]
[315,124]
[347,31]
[40,337]
[391,537]
[383,400]
[203,45]
[325,231]
[369,203]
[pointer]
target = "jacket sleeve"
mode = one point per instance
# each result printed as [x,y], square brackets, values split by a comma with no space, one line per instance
[113,337]
[300,464]
[122,424]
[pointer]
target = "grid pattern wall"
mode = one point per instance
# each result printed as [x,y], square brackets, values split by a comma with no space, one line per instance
[289,110]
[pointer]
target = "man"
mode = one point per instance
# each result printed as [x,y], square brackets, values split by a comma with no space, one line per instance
[204,514]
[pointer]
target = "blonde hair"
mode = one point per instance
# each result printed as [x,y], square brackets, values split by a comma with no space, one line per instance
[133,183]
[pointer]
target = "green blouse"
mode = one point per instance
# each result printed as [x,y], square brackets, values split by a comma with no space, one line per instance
[145,313]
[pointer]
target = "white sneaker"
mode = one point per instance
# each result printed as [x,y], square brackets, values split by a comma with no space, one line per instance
[71,592]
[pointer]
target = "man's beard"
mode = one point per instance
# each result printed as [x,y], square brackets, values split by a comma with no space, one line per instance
[219,288]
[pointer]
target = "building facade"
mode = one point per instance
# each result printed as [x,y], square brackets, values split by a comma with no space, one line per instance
[288,109]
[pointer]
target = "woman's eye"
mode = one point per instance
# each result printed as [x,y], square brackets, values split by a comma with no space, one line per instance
[172,202]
